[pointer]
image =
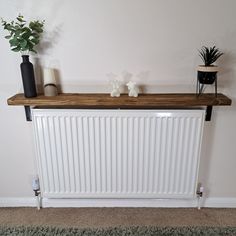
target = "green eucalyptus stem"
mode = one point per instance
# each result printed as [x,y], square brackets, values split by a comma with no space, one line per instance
[24,52]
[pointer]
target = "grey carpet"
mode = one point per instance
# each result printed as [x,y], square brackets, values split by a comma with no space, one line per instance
[111,217]
[117,231]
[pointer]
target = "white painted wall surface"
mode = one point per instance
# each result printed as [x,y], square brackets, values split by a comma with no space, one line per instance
[155,40]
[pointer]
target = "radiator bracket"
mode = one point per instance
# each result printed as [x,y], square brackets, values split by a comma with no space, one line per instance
[28,115]
[208,113]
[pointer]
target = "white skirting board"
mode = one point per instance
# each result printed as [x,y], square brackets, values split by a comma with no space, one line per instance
[17,202]
[212,202]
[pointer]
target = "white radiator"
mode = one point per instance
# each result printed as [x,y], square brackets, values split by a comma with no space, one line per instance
[118,153]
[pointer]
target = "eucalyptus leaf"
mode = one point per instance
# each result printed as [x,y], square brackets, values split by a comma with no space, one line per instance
[16,49]
[35,35]
[32,50]
[20,18]
[14,42]
[39,30]
[35,41]
[26,35]
[30,45]
[17,32]
[23,43]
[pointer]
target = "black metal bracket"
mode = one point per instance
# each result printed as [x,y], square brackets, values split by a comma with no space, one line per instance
[28,113]
[208,113]
[200,88]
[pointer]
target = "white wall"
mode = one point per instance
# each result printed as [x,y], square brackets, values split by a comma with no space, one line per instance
[155,40]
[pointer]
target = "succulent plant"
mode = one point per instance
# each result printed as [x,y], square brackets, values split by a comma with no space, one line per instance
[209,55]
[22,37]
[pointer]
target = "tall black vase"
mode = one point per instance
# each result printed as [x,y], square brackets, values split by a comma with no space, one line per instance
[27,73]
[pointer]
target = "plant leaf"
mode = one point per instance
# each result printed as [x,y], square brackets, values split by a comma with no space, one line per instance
[209,55]
[16,49]
[26,35]
[14,42]
[23,43]
[8,37]
[20,18]
[32,50]
[23,36]
[35,41]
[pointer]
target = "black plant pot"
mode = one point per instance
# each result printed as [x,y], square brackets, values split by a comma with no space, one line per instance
[27,73]
[207,74]
[206,77]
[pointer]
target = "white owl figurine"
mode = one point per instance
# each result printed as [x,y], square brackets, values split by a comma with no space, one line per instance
[133,89]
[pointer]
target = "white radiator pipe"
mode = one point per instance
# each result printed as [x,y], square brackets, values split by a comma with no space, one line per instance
[38,199]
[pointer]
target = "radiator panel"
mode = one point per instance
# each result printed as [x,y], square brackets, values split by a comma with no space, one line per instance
[118,153]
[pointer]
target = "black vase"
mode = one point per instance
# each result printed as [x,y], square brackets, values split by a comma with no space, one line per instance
[27,73]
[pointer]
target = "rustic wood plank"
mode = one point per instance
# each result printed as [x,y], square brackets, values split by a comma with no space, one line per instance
[124,101]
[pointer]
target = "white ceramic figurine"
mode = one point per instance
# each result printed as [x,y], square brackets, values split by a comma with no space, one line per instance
[133,89]
[115,88]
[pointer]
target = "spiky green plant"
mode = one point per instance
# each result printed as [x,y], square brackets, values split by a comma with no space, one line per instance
[209,55]
[22,37]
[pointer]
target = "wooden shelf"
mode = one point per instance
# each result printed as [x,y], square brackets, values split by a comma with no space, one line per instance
[124,101]
[104,101]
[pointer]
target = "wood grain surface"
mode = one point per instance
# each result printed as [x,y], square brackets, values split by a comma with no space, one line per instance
[124,101]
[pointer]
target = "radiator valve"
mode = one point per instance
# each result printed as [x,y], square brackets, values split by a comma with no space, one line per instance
[200,195]
[36,189]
